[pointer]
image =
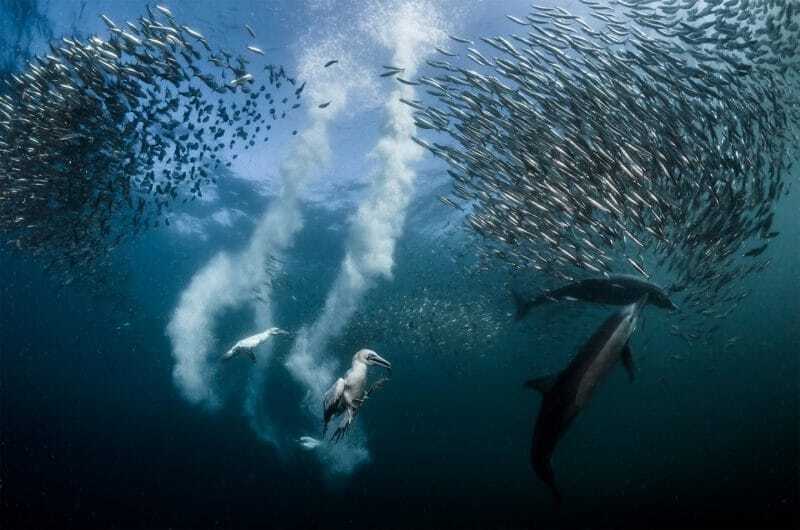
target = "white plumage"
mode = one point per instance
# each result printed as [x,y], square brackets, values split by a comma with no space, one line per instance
[249,344]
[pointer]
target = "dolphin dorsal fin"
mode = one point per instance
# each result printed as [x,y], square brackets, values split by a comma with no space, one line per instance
[627,360]
[541,384]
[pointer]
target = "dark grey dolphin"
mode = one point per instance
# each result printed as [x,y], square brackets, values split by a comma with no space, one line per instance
[616,289]
[566,393]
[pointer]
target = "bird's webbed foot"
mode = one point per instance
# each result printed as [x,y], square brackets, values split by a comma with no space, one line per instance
[377,385]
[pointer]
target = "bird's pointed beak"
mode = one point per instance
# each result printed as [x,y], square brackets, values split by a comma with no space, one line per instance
[380,361]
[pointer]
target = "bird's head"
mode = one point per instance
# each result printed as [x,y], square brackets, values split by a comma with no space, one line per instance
[370,357]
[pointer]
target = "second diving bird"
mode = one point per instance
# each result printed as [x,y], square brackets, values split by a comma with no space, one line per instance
[249,344]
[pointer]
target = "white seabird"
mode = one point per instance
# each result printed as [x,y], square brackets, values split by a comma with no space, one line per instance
[249,344]
[348,393]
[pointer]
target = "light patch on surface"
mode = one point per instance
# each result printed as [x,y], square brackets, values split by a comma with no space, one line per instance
[227,217]
[210,194]
[222,217]
[187,225]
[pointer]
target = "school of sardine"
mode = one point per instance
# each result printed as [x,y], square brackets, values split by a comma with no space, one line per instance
[646,136]
[99,137]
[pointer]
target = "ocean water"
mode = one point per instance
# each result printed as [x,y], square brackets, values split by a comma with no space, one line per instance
[116,413]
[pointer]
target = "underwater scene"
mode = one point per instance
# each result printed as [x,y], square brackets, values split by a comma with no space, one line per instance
[399,264]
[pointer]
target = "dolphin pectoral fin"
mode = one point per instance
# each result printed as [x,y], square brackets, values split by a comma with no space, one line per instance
[627,361]
[251,355]
[541,384]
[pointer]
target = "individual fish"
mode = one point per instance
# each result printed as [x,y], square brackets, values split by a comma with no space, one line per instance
[756,251]
[406,82]
[460,40]
[164,10]
[108,22]
[448,202]
[240,80]
[446,53]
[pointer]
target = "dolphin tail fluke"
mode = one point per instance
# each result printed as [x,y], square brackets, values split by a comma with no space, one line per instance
[557,499]
[524,304]
[544,470]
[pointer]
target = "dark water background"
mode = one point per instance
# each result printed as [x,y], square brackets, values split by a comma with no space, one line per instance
[94,434]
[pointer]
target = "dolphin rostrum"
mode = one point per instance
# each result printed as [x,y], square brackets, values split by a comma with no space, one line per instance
[565,394]
[615,289]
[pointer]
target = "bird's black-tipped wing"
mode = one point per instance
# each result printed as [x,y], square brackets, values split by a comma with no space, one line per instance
[332,402]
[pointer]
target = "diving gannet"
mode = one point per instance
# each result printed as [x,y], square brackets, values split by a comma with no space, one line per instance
[348,393]
[249,344]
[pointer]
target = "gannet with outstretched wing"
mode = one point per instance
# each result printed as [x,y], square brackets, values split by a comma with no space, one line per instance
[348,393]
[249,344]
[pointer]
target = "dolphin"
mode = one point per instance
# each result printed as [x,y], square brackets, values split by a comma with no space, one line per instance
[565,394]
[614,289]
